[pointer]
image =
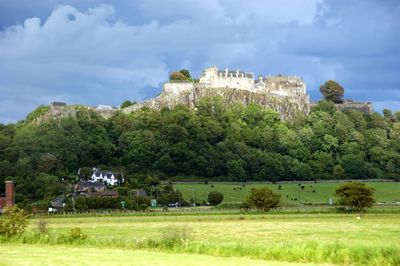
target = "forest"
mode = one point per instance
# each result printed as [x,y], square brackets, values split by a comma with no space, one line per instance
[213,142]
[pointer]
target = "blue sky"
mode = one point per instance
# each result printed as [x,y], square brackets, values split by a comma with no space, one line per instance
[103,52]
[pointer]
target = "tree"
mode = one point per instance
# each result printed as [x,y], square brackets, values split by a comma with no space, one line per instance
[355,195]
[215,197]
[127,103]
[263,198]
[186,73]
[13,222]
[177,75]
[332,91]
[236,170]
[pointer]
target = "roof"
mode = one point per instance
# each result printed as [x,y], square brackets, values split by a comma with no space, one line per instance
[97,172]
[233,72]
[107,193]
[89,184]
[58,104]
[140,193]
[57,202]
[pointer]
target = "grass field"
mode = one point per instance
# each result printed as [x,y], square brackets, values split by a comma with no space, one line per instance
[61,255]
[331,238]
[292,194]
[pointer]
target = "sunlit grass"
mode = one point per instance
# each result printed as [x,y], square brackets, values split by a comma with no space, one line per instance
[371,239]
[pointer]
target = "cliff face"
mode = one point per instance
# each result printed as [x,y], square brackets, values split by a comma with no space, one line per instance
[286,106]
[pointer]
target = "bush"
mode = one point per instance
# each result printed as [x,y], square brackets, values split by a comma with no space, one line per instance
[13,222]
[42,227]
[355,196]
[77,234]
[263,199]
[215,197]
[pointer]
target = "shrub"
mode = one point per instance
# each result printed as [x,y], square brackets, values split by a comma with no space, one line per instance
[215,197]
[77,234]
[263,199]
[13,222]
[42,227]
[355,196]
[174,237]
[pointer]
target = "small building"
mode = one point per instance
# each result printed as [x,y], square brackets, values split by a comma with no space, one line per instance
[88,186]
[58,104]
[139,193]
[108,177]
[107,193]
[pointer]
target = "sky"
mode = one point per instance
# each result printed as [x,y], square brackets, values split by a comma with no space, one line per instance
[104,52]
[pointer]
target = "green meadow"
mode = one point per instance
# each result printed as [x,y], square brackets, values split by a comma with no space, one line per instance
[292,193]
[229,239]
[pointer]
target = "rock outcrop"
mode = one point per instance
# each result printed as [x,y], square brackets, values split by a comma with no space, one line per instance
[287,106]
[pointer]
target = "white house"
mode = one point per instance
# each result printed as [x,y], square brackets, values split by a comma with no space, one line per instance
[107,177]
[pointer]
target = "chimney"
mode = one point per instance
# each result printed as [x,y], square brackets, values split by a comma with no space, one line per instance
[10,193]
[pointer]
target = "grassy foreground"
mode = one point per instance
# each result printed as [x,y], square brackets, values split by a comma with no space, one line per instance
[67,255]
[313,238]
[292,193]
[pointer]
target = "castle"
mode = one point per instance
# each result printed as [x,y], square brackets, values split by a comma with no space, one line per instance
[285,94]
[212,77]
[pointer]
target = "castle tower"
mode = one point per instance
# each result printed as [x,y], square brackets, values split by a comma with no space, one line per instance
[10,194]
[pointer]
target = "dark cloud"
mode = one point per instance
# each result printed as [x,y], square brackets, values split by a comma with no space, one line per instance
[103,52]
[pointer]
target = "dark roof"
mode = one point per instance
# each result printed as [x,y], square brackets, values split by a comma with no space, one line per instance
[142,192]
[98,172]
[107,193]
[233,72]
[57,202]
[89,184]
[58,104]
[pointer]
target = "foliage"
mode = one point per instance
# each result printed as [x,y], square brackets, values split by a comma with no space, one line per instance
[42,227]
[214,141]
[215,197]
[263,198]
[13,222]
[77,234]
[39,111]
[355,195]
[178,75]
[332,91]
[127,103]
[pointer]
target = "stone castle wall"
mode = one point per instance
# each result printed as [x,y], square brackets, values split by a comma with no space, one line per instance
[285,94]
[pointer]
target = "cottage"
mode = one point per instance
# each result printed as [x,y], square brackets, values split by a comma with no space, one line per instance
[107,177]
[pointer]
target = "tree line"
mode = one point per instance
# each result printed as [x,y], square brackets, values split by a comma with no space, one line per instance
[214,141]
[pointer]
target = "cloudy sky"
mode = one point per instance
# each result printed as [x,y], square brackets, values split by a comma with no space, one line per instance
[103,52]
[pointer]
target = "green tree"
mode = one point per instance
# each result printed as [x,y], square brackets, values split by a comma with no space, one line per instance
[13,222]
[236,170]
[177,75]
[332,91]
[263,198]
[215,197]
[186,73]
[127,103]
[355,195]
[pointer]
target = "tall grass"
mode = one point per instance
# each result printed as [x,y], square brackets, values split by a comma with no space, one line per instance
[179,240]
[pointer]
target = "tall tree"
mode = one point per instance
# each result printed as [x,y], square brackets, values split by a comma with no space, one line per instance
[332,91]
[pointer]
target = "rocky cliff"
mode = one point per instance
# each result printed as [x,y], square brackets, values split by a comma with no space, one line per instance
[286,106]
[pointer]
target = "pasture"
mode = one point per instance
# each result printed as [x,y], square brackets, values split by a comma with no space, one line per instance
[292,194]
[252,239]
